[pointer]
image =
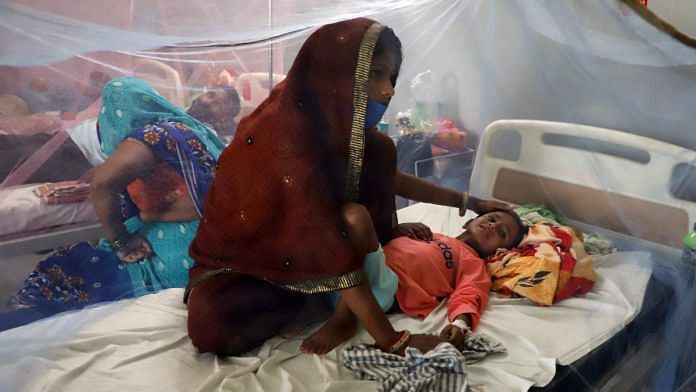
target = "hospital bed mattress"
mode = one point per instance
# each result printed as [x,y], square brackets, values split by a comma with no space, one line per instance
[142,344]
[29,224]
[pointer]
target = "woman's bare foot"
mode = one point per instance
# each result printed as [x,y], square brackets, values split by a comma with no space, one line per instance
[338,329]
[315,309]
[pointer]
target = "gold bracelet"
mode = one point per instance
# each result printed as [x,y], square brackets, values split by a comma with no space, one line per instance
[121,242]
[403,340]
[397,345]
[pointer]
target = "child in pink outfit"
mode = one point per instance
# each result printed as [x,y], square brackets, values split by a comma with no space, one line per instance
[418,269]
[429,271]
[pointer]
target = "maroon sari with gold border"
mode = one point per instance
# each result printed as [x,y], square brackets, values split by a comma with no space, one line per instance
[274,209]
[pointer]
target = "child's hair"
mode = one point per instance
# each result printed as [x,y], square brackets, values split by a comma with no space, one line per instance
[386,43]
[523,228]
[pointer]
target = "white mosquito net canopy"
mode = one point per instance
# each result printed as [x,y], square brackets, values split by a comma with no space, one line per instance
[596,102]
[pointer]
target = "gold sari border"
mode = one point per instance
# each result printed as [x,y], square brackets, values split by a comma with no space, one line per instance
[323,285]
[207,274]
[356,144]
[333,283]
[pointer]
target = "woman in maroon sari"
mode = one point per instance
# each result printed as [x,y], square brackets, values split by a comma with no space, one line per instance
[305,170]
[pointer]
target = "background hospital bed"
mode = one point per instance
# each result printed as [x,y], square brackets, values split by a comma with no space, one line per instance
[142,344]
[28,224]
[587,174]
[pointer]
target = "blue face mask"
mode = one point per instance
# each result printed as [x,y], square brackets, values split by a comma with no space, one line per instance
[375,111]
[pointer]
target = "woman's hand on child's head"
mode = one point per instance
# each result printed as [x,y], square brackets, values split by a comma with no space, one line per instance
[455,335]
[138,248]
[414,230]
[482,206]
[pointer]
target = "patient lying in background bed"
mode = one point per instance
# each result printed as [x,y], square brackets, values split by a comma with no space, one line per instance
[150,254]
[81,151]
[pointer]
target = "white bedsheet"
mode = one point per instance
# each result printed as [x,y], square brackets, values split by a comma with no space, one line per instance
[21,210]
[613,302]
[142,344]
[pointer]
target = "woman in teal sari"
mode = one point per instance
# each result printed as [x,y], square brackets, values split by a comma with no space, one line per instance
[149,198]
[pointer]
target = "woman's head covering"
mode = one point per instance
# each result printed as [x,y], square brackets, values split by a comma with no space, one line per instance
[274,209]
[129,104]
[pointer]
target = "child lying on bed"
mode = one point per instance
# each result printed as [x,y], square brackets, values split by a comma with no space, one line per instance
[420,268]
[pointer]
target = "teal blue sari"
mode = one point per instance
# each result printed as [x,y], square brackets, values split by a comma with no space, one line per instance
[83,274]
[131,109]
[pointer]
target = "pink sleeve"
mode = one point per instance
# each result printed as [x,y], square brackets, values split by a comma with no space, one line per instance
[470,295]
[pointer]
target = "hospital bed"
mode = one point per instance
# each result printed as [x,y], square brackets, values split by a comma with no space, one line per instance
[28,224]
[142,344]
[29,228]
[253,88]
[608,182]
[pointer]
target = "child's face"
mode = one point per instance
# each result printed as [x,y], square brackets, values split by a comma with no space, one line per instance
[491,231]
[382,70]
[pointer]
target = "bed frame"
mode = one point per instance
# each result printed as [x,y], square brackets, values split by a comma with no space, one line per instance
[41,240]
[163,78]
[589,164]
[591,182]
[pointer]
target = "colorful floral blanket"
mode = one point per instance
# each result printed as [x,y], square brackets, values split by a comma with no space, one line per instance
[549,265]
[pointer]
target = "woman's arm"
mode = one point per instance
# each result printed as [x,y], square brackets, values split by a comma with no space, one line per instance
[414,188]
[130,161]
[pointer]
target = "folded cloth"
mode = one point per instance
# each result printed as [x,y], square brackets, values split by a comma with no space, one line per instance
[62,192]
[596,245]
[549,265]
[440,369]
[532,214]
[479,345]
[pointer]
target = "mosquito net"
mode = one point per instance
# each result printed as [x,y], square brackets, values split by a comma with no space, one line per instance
[580,113]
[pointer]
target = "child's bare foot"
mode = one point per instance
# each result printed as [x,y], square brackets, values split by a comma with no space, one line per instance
[336,331]
[314,310]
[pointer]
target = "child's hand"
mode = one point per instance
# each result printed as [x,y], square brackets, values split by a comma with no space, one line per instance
[413,230]
[454,335]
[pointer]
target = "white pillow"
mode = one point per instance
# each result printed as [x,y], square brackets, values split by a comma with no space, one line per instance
[85,136]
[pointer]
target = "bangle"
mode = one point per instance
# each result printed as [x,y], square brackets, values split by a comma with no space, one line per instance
[397,344]
[121,242]
[465,202]
[461,324]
